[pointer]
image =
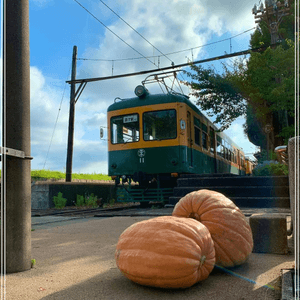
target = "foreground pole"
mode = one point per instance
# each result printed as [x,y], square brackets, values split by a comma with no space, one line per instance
[16,136]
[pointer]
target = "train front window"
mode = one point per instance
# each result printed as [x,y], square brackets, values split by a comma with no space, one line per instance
[125,129]
[160,125]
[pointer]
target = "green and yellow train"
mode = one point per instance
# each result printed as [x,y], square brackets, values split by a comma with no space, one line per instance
[153,139]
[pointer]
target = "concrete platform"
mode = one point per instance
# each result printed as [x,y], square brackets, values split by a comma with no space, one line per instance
[75,260]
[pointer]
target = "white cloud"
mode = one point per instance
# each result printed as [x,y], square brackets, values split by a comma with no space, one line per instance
[169,25]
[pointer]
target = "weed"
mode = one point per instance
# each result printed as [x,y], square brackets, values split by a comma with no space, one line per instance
[87,200]
[33,262]
[79,200]
[91,200]
[59,201]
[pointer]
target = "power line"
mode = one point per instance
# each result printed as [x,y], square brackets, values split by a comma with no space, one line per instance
[136,31]
[56,122]
[113,32]
[244,52]
[176,52]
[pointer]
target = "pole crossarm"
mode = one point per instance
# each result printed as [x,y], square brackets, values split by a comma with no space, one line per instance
[244,52]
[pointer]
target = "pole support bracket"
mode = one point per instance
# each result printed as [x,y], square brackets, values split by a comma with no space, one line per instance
[14,153]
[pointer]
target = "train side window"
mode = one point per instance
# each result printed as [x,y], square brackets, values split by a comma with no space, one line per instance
[219,145]
[204,136]
[197,131]
[212,140]
[197,136]
[219,149]
[125,129]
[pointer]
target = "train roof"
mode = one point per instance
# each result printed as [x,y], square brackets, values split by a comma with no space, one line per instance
[154,99]
[151,99]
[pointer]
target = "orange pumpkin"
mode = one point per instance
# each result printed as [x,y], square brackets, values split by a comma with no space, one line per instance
[226,223]
[166,252]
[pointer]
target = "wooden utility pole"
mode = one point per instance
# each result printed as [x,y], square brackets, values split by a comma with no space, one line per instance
[16,164]
[272,14]
[71,118]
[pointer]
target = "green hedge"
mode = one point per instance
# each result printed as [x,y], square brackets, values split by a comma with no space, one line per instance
[271,169]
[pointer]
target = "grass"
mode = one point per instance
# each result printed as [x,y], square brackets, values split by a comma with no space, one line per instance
[37,175]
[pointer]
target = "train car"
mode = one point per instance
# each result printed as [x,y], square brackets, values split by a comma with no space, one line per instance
[153,139]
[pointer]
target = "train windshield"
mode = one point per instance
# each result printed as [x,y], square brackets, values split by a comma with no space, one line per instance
[125,129]
[160,125]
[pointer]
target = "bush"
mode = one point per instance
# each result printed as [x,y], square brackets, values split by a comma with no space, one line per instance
[59,201]
[89,200]
[270,168]
[80,200]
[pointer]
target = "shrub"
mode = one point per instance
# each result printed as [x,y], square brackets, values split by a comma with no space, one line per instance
[79,200]
[270,168]
[91,200]
[59,201]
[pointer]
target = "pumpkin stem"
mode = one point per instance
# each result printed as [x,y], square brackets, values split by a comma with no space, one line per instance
[202,260]
[194,216]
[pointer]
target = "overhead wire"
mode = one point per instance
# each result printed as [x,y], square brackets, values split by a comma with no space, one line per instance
[135,30]
[172,63]
[113,32]
[170,53]
[63,95]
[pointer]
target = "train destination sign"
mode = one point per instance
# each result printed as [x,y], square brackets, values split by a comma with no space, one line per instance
[130,118]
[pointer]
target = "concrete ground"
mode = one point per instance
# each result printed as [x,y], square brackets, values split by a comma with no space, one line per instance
[75,260]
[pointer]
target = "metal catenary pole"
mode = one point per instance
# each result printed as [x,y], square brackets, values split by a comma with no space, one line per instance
[16,164]
[71,118]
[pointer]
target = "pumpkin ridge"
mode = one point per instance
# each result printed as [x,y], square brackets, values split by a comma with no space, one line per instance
[191,260]
[226,223]
[159,251]
[224,253]
[230,231]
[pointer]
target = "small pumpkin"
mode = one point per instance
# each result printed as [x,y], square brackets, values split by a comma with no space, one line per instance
[166,252]
[226,223]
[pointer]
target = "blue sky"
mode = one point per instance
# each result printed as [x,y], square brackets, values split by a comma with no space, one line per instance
[173,25]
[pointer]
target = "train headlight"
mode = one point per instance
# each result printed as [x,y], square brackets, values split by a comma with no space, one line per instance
[141,91]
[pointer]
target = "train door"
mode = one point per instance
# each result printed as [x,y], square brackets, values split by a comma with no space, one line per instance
[189,139]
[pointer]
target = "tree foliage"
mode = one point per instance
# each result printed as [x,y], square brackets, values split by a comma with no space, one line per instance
[216,94]
[260,87]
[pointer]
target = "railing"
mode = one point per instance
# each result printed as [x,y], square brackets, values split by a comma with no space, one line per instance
[141,195]
[282,154]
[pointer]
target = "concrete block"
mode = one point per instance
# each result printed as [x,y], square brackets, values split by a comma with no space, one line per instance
[269,233]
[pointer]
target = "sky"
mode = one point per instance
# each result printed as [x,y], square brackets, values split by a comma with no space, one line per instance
[170,26]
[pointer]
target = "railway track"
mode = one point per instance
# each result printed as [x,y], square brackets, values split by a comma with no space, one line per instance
[79,212]
[136,210]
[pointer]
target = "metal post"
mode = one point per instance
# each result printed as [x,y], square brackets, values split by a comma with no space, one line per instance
[293,158]
[71,119]
[16,135]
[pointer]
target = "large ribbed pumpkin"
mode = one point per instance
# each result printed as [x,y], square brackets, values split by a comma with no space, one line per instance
[166,252]
[226,223]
